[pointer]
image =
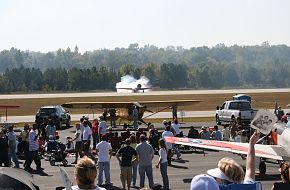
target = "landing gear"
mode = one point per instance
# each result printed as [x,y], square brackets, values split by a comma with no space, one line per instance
[262,167]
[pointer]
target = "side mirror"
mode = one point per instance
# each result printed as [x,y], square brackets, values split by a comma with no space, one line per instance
[217,107]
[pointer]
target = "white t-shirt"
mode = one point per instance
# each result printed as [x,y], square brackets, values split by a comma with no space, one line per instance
[167,134]
[102,127]
[86,133]
[77,188]
[80,135]
[163,155]
[176,128]
[226,134]
[104,148]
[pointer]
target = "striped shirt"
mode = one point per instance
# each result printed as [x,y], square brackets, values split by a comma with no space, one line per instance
[33,142]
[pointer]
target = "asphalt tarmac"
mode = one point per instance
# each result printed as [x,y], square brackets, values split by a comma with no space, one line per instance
[180,173]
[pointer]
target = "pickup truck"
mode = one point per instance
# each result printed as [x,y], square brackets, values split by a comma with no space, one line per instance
[230,110]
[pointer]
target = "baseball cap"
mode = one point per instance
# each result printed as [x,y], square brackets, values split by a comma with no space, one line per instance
[217,173]
[203,182]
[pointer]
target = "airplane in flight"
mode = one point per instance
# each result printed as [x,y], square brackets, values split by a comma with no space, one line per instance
[136,89]
[124,110]
[279,152]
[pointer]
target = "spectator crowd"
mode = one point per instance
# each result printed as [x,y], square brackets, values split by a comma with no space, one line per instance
[94,144]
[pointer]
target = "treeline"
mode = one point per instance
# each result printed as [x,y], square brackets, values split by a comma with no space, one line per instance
[169,76]
[170,67]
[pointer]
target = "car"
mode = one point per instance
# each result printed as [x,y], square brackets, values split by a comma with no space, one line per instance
[56,113]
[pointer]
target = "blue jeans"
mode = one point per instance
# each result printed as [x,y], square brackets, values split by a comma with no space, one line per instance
[13,155]
[135,123]
[104,166]
[163,171]
[134,173]
[149,173]
[176,151]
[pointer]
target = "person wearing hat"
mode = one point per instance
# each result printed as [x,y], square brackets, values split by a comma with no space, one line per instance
[204,134]
[145,154]
[203,182]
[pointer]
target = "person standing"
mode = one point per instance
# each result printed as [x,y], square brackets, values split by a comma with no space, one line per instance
[104,152]
[12,147]
[168,133]
[95,133]
[145,154]
[126,152]
[112,113]
[134,161]
[87,134]
[33,150]
[4,150]
[78,144]
[135,117]
[24,143]
[163,163]
[102,127]
[176,126]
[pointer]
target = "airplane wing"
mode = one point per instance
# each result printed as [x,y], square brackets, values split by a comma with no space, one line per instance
[123,88]
[264,151]
[97,105]
[168,103]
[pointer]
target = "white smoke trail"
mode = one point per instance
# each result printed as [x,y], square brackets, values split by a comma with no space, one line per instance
[128,81]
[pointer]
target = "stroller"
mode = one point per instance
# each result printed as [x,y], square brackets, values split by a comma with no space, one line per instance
[58,155]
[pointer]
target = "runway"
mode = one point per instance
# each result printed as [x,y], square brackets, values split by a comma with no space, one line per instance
[76,117]
[64,95]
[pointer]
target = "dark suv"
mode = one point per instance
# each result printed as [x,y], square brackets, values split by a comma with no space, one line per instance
[57,114]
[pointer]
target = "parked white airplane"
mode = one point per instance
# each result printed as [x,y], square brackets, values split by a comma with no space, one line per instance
[279,152]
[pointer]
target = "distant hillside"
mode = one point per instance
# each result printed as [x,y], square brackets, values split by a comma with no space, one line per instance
[170,67]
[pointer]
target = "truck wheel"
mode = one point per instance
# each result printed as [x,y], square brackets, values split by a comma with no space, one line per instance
[217,119]
[59,124]
[233,118]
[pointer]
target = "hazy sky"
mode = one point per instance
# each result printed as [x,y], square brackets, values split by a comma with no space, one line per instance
[47,25]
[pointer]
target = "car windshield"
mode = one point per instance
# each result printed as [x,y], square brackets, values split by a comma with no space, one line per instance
[62,109]
[240,105]
[46,111]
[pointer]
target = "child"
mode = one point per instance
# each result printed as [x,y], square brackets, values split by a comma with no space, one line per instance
[163,163]
[69,145]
